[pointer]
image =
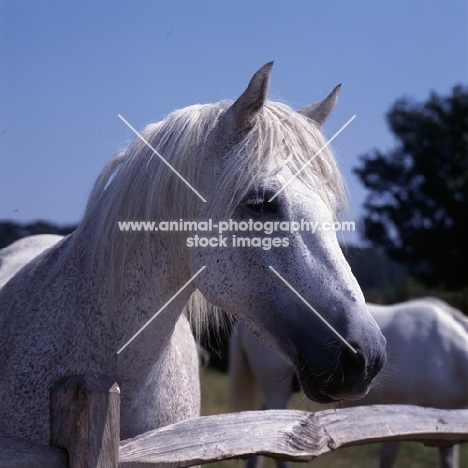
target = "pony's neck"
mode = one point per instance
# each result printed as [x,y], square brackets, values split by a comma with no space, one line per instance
[146,290]
[126,302]
[143,297]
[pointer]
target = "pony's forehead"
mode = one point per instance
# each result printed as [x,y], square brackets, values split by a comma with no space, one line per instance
[276,124]
[277,134]
[202,146]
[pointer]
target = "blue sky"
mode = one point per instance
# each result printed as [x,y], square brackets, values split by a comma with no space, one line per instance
[67,68]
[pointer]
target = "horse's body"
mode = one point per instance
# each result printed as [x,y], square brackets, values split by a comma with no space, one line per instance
[73,307]
[17,255]
[427,347]
[182,350]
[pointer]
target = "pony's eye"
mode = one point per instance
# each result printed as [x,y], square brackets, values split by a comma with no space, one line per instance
[257,207]
[260,206]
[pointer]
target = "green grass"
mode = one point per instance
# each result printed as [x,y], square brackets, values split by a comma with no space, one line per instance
[214,386]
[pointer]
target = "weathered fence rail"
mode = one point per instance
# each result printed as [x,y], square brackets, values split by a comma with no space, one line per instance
[85,427]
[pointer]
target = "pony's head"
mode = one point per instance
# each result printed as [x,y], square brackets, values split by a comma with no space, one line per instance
[251,152]
[259,163]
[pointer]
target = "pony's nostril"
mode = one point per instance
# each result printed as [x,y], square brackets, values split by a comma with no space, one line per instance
[352,364]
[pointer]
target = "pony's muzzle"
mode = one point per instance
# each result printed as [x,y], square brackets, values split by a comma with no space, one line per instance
[357,372]
[353,364]
[348,379]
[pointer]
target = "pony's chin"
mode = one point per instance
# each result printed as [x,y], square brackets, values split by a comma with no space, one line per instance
[349,396]
[321,396]
[313,394]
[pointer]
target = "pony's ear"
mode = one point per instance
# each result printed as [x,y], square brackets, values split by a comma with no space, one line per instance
[319,111]
[253,98]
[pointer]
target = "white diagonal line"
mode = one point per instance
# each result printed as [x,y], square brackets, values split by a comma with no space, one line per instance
[160,157]
[311,308]
[313,157]
[161,309]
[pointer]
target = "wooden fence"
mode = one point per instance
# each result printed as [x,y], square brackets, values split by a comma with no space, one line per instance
[85,424]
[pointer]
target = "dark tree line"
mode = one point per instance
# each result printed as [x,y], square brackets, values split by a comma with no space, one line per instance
[11,231]
[417,207]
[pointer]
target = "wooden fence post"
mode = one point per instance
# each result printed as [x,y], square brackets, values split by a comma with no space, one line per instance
[85,420]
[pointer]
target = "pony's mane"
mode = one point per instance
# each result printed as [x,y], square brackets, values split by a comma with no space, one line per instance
[201,313]
[138,186]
